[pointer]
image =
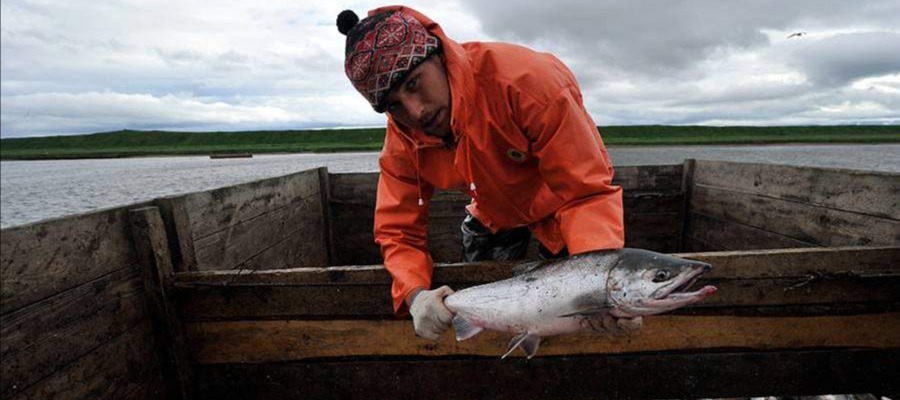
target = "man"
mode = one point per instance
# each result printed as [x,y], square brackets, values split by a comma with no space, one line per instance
[500,122]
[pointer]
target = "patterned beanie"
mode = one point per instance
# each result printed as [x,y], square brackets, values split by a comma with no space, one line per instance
[382,49]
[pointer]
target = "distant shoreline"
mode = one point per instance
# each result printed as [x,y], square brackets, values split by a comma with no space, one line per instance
[127,144]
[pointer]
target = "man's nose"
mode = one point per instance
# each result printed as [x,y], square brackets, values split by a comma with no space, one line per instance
[415,109]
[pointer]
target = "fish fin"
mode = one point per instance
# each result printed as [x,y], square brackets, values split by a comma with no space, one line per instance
[589,312]
[525,268]
[513,343]
[531,344]
[528,342]
[464,328]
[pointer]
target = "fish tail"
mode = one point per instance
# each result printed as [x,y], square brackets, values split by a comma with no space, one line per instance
[465,328]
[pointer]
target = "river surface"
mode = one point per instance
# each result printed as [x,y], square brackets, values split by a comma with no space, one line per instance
[36,190]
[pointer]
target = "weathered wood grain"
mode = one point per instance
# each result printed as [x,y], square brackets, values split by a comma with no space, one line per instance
[809,223]
[652,221]
[706,233]
[111,371]
[286,340]
[40,260]
[219,209]
[326,214]
[783,263]
[226,227]
[655,232]
[232,247]
[361,187]
[646,376]
[649,177]
[178,232]
[358,187]
[158,276]
[794,295]
[805,277]
[872,193]
[46,336]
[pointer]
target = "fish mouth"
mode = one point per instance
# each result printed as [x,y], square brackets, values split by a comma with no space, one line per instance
[677,294]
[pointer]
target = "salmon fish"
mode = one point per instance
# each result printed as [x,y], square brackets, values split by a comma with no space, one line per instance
[561,296]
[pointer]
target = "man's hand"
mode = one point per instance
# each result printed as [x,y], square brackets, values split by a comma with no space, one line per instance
[607,324]
[430,318]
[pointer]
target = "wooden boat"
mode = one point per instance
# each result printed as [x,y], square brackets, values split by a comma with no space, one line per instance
[230,155]
[274,289]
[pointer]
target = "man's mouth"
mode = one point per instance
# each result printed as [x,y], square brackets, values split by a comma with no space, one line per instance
[433,121]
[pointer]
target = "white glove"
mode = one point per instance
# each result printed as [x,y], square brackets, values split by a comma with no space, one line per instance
[430,318]
[615,326]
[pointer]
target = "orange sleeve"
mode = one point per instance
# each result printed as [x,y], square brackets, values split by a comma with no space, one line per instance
[573,160]
[401,227]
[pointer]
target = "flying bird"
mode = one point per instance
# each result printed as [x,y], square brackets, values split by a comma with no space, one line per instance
[797,34]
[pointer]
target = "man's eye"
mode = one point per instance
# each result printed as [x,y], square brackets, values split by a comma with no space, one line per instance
[411,84]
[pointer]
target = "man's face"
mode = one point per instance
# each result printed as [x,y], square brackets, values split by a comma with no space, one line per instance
[422,100]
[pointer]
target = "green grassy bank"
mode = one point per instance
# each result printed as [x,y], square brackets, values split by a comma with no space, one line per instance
[129,143]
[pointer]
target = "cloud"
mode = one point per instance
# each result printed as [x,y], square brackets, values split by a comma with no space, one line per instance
[668,36]
[102,111]
[78,66]
[844,58]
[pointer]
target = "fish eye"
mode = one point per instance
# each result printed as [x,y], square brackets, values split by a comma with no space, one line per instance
[662,275]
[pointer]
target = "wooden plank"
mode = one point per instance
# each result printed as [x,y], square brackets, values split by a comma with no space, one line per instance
[158,276]
[785,295]
[706,233]
[354,240]
[820,225]
[801,277]
[687,188]
[646,376]
[783,263]
[327,217]
[154,388]
[361,187]
[245,240]
[648,177]
[285,340]
[872,193]
[43,259]
[651,221]
[655,232]
[644,202]
[178,230]
[216,210]
[111,371]
[46,336]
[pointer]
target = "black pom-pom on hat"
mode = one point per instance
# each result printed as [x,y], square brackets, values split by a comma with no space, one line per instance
[346,20]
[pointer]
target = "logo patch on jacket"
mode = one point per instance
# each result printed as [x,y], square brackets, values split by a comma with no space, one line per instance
[516,155]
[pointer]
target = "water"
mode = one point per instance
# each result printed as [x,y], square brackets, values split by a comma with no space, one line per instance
[36,190]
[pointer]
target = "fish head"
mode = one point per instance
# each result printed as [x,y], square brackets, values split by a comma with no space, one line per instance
[643,282]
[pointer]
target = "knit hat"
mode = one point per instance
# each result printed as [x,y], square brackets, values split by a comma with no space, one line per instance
[381,50]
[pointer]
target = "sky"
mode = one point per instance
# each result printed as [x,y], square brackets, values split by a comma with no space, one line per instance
[75,66]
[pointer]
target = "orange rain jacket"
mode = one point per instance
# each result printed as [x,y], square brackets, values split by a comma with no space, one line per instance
[527,153]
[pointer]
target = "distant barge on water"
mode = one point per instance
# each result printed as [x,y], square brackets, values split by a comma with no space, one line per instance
[231,155]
